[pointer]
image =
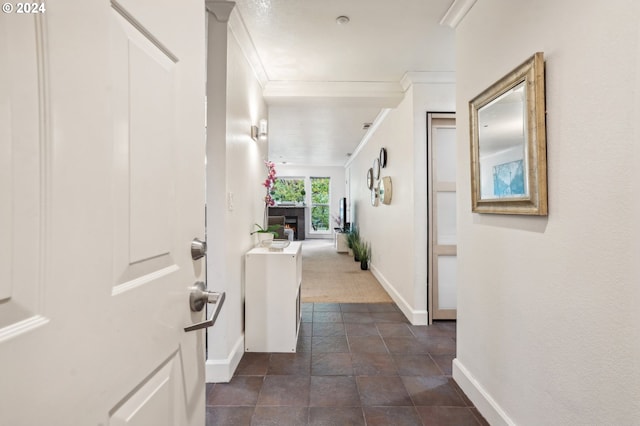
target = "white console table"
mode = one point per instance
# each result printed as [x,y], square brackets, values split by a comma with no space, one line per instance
[340,242]
[272,299]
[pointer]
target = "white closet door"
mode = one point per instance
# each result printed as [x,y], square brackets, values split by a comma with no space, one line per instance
[441,153]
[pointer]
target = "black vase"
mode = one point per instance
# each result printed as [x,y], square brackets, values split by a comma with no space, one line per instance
[364,265]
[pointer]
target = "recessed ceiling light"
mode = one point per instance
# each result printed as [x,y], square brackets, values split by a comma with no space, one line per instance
[342,20]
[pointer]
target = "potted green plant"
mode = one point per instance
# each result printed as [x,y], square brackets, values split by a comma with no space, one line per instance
[353,236]
[356,250]
[364,254]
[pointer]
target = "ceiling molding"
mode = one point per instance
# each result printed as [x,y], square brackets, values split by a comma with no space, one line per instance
[220,9]
[380,94]
[457,12]
[241,34]
[427,77]
[365,139]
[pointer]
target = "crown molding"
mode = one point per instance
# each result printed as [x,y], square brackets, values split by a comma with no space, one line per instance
[457,12]
[241,34]
[220,9]
[365,139]
[380,94]
[427,77]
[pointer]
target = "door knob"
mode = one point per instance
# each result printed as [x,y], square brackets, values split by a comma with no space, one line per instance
[199,297]
[198,249]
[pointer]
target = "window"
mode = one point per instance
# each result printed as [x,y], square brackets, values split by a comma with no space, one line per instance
[288,190]
[320,206]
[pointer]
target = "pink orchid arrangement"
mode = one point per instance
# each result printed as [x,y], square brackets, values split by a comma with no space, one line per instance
[269,182]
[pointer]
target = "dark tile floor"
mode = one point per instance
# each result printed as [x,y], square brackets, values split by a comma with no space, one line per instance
[356,364]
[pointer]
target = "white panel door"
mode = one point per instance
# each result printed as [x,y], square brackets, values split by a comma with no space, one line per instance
[101,193]
[441,151]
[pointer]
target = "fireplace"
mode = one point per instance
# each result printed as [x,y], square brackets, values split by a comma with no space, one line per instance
[294,219]
[292,223]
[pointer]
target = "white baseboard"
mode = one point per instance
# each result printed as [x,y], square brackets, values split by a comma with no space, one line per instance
[415,317]
[221,370]
[486,405]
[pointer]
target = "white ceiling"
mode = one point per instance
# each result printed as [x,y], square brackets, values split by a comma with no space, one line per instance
[323,80]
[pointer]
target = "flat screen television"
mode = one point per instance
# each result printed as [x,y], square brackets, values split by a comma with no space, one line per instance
[343,214]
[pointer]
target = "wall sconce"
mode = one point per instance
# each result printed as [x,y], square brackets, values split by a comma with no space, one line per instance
[262,131]
[259,132]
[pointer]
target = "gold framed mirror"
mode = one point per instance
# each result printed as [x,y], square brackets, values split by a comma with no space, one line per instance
[508,143]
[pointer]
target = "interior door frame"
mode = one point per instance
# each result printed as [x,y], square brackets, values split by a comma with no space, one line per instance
[432,292]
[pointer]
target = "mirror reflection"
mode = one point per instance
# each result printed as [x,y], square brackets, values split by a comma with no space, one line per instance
[502,144]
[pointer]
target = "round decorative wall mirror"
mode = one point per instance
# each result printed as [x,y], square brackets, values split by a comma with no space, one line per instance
[376,169]
[383,157]
[385,190]
[370,178]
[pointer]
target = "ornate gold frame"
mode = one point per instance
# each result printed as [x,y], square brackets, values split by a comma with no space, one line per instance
[534,202]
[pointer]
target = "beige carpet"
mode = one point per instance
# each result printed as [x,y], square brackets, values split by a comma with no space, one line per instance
[331,277]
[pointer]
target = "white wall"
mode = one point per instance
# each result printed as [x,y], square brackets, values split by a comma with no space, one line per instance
[398,231]
[548,316]
[235,173]
[337,191]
